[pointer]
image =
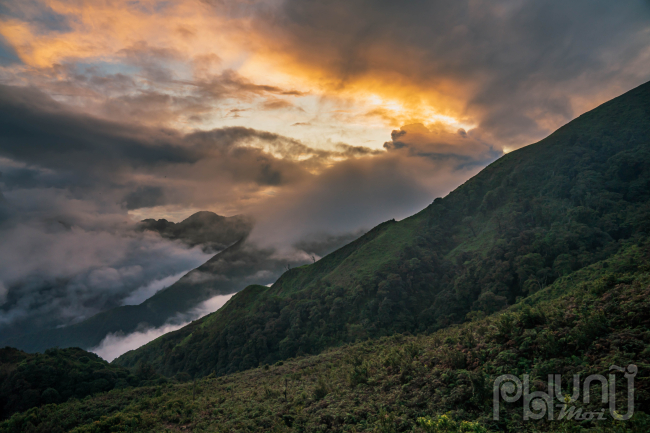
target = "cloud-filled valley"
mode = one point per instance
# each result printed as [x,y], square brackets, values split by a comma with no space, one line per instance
[114,345]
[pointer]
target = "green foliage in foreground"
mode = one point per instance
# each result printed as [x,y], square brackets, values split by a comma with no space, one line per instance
[440,382]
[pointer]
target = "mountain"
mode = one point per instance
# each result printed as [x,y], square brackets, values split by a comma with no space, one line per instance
[533,216]
[544,256]
[213,232]
[207,229]
[581,324]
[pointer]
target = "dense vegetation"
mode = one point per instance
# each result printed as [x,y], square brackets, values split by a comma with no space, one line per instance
[29,380]
[440,382]
[530,218]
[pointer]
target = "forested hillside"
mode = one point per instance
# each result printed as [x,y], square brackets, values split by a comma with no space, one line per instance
[533,216]
[440,382]
[29,380]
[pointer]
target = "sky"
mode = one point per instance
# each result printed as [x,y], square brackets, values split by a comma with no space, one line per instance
[318,119]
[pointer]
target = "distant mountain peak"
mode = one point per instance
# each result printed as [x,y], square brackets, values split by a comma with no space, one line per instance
[208,229]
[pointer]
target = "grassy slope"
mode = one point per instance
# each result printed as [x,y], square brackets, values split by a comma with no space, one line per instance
[530,217]
[374,250]
[384,385]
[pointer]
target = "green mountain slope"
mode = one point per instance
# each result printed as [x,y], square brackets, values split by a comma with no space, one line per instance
[409,383]
[531,217]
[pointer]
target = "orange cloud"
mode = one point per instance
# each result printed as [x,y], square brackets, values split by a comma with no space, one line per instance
[207,40]
[359,71]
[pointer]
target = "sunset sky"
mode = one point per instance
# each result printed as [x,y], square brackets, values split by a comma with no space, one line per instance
[311,116]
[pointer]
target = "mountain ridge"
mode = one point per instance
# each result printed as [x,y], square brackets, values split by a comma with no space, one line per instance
[530,217]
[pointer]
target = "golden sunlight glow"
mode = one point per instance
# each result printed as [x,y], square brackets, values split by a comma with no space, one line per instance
[198,41]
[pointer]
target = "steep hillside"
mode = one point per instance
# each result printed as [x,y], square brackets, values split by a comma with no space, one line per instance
[213,232]
[531,217]
[441,382]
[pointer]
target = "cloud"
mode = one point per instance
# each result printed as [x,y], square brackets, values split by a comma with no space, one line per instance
[3,293]
[517,70]
[145,292]
[460,148]
[114,345]
[279,104]
[144,167]
[63,260]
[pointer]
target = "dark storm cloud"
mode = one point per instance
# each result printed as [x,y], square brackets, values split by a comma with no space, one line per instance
[39,131]
[518,67]
[144,167]
[145,196]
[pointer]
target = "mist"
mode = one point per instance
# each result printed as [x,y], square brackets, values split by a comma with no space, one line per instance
[114,345]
